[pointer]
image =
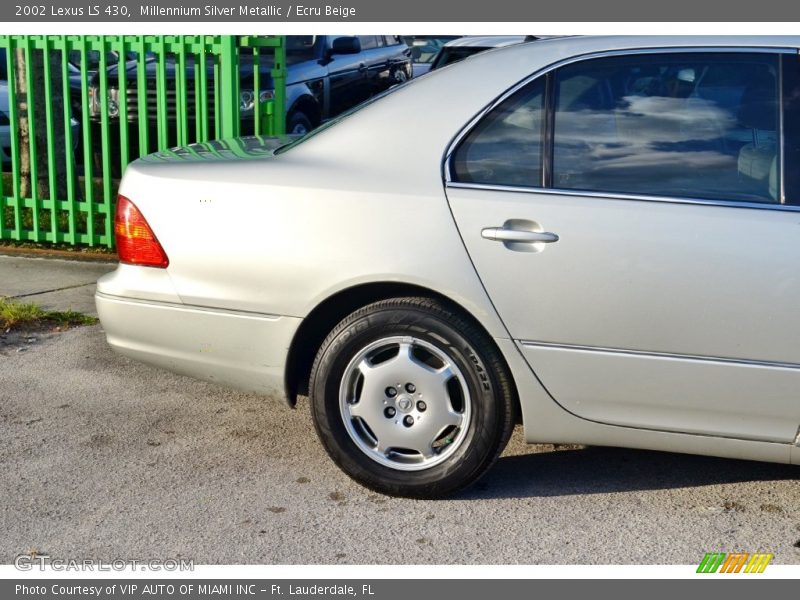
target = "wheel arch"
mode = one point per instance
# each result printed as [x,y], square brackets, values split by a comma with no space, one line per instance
[308,105]
[323,318]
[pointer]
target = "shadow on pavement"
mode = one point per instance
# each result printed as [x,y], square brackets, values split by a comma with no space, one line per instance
[596,470]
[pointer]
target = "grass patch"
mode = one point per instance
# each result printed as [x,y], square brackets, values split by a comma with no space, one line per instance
[15,314]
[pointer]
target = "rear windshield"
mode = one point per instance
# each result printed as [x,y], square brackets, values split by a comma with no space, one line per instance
[449,56]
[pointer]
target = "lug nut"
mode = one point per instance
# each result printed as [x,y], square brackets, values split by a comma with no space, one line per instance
[411,388]
[421,406]
[391,392]
[408,421]
[389,412]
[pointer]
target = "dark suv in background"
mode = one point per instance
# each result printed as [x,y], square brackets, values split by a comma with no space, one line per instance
[326,75]
[329,74]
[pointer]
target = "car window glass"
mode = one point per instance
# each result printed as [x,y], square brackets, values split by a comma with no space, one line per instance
[696,125]
[300,48]
[448,56]
[368,41]
[506,146]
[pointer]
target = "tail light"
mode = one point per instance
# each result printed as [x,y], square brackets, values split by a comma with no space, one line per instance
[136,242]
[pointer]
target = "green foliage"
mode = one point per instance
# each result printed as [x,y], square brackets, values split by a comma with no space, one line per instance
[13,314]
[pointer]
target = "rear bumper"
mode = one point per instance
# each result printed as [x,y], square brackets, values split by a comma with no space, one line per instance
[243,350]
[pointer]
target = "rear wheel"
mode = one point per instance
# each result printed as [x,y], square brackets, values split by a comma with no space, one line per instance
[298,123]
[411,399]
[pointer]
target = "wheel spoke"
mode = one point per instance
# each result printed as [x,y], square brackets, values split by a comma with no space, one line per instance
[365,367]
[445,373]
[381,448]
[405,351]
[357,410]
[453,418]
[420,441]
[427,452]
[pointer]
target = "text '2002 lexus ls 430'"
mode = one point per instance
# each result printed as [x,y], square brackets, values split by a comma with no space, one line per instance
[596,236]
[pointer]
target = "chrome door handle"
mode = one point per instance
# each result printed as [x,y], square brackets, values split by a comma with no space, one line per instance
[503,234]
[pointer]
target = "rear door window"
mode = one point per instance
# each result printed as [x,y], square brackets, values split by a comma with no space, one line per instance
[369,42]
[693,125]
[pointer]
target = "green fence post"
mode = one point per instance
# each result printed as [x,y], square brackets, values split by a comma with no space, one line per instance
[279,87]
[229,87]
[142,110]
[69,150]
[52,168]
[203,116]
[13,117]
[88,158]
[33,118]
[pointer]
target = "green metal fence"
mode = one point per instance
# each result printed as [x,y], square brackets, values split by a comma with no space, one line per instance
[75,120]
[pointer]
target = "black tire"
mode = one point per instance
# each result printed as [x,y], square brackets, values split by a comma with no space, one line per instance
[298,120]
[484,372]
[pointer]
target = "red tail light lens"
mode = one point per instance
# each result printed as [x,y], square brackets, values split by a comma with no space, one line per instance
[136,242]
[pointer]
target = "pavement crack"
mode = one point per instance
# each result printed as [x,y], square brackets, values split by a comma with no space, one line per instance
[58,289]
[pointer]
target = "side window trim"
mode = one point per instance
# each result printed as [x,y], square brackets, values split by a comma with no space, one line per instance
[781,141]
[790,128]
[548,73]
[548,135]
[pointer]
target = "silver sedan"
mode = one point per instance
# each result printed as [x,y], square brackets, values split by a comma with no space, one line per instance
[597,237]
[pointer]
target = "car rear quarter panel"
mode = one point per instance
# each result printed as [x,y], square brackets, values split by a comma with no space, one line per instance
[280,237]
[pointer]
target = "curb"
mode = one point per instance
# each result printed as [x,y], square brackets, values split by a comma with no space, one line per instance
[61,254]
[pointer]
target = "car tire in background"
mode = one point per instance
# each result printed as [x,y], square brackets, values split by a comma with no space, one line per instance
[297,123]
[410,398]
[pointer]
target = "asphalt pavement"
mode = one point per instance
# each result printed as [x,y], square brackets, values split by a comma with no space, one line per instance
[101,457]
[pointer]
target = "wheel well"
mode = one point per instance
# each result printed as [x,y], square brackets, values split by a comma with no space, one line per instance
[309,106]
[319,323]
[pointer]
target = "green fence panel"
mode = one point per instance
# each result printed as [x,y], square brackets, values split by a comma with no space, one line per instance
[80,108]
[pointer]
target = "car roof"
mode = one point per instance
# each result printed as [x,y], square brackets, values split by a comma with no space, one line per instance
[443,103]
[485,41]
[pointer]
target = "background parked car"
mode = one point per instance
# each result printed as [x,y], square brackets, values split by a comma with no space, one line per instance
[93,59]
[326,75]
[5,124]
[424,49]
[461,48]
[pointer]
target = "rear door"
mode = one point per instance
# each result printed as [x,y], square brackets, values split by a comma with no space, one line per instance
[377,65]
[348,81]
[628,217]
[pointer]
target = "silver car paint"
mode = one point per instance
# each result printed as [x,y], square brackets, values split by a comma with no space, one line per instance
[363,202]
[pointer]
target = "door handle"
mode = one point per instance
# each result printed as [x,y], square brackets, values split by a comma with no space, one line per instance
[505,234]
[362,68]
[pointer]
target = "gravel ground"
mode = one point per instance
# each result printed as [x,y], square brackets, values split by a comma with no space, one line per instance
[105,458]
